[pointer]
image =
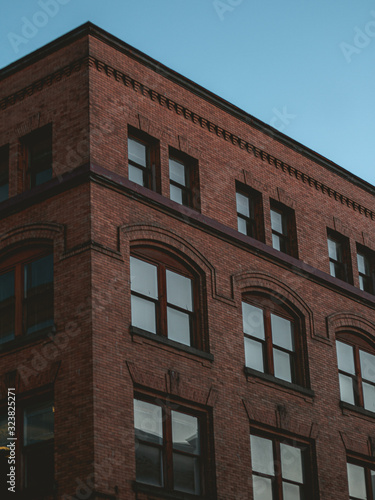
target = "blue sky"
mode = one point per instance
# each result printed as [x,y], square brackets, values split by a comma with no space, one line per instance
[306,68]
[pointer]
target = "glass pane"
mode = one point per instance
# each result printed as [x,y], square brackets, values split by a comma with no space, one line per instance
[177,172]
[143,314]
[179,291]
[3,431]
[242,202]
[39,273]
[333,250]
[277,222]
[345,357]
[7,307]
[252,318]
[361,283]
[262,455]
[38,424]
[291,491]
[291,463]
[176,194]
[276,242]
[363,266]
[149,464]
[346,389]
[262,488]
[367,366]
[4,192]
[143,278]
[373,484]
[282,365]
[178,326]
[148,422]
[185,433]
[254,354]
[186,474]
[356,481]
[282,332]
[43,176]
[136,175]
[39,294]
[137,152]
[332,269]
[369,396]
[241,225]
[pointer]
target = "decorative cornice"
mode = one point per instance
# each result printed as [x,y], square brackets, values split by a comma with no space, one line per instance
[226,135]
[46,81]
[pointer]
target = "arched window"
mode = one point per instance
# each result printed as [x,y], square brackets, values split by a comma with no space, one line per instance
[26,293]
[165,297]
[272,339]
[356,365]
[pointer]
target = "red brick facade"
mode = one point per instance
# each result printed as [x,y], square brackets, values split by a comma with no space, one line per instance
[91,87]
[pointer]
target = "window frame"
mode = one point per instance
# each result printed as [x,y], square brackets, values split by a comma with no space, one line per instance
[17,262]
[190,190]
[288,236]
[344,263]
[369,259]
[205,431]
[368,468]
[358,344]
[165,261]
[32,166]
[150,172]
[254,223]
[4,170]
[308,460]
[298,363]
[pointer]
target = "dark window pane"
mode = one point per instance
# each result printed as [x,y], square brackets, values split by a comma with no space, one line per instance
[39,468]
[40,160]
[39,294]
[178,326]
[186,474]
[148,422]
[179,291]
[185,434]
[149,464]
[38,424]
[7,307]
[4,192]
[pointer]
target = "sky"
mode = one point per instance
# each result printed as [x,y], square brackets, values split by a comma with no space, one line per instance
[304,67]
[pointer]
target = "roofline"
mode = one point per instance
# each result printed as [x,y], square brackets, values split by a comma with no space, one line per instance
[89,28]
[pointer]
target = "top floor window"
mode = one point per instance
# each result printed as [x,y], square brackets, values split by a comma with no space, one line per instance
[283,226]
[143,159]
[365,262]
[184,180]
[4,173]
[164,297]
[356,364]
[37,151]
[339,256]
[249,212]
[26,294]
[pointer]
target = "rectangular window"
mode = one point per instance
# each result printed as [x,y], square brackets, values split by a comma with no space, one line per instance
[183,179]
[366,268]
[4,173]
[169,445]
[283,227]
[162,300]
[361,482]
[38,151]
[280,469]
[26,294]
[249,212]
[339,256]
[143,159]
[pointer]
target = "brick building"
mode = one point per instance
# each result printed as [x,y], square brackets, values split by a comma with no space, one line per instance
[186,294]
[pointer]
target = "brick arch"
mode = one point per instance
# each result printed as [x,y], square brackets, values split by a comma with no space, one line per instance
[164,239]
[275,289]
[40,232]
[346,321]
